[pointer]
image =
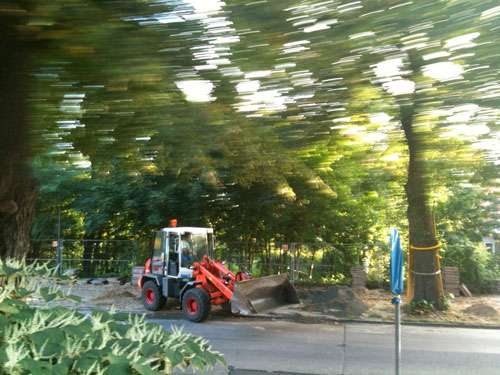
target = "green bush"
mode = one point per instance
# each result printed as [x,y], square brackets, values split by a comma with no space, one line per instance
[61,341]
[474,262]
[420,307]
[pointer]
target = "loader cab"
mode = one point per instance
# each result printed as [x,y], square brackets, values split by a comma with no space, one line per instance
[175,250]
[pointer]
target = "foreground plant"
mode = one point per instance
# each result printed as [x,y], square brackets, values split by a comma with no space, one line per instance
[420,307]
[60,341]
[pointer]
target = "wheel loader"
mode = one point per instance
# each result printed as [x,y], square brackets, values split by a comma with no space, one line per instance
[181,266]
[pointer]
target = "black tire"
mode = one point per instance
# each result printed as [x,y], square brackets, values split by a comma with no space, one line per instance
[196,305]
[152,298]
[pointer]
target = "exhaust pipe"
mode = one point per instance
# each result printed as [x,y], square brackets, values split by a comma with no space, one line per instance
[255,296]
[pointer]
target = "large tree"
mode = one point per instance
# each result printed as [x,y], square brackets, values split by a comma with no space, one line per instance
[55,54]
[298,122]
[17,185]
[426,66]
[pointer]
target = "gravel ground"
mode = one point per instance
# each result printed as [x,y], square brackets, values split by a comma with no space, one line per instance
[317,305]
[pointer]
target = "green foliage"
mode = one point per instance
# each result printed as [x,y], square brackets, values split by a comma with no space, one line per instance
[420,307]
[155,156]
[61,341]
[474,262]
[461,224]
[374,282]
[336,279]
[319,157]
[446,300]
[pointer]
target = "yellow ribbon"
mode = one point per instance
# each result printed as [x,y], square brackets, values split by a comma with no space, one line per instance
[426,248]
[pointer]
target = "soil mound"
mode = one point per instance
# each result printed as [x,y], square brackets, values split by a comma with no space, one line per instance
[116,293]
[337,300]
[482,309]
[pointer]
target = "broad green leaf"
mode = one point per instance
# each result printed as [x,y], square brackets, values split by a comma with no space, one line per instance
[125,343]
[118,369]
[4,321]
[51,340]
[118,359]
[103,315]
[46,295]
[59,369]
[193,348]
[77,331]
[121,317]
[22,292]
[3,355]
[219,357]
[8,271]
[8,308]
[119,328]
[23,316]
[66,361]
[16,302]
[84,364]
[144,370]
[197,362]
[31,366]
[148,349]
[175,358]
[93,353]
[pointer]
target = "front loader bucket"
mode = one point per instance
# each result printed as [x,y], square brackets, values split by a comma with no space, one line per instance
[266,293]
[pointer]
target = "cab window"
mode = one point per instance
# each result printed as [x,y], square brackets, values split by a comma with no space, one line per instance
[157,260]
[193,247]
[158,241]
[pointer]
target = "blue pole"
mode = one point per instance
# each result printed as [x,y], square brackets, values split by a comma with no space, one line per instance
[396,271]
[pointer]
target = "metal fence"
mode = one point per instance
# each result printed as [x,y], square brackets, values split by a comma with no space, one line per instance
[93,257]
[313,263]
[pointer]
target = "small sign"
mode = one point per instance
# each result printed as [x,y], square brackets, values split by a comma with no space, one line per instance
[284,247]
[54,243]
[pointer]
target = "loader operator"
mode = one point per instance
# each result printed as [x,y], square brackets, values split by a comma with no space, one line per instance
[186,249]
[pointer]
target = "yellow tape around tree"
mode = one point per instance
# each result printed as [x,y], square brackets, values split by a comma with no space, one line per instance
[411,280]
[425,248]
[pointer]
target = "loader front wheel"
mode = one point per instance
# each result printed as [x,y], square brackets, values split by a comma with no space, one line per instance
[152,299]
[196,305]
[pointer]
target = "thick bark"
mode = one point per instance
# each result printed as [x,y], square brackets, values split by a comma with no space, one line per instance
[419,217]
[17,185]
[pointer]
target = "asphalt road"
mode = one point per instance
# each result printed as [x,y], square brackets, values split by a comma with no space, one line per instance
[254,347]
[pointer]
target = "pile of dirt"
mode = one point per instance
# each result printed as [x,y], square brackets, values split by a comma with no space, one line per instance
[116,293]
[337,300]
[483,310]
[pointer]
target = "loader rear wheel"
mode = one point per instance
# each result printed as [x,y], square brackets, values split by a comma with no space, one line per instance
[196,305]
[152,298]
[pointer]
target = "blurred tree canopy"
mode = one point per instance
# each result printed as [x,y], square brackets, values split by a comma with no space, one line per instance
[306,121]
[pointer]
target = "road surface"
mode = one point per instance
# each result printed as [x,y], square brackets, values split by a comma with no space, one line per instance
[254,347]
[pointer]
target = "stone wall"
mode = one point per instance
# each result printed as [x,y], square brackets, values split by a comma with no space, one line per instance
[358,278]
[451,281]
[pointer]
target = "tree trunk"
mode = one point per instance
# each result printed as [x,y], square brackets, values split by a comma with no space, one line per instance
[268,258]
[18,189]
[311,266]
[419,218]
[280,261]
[17,208]
[90,252]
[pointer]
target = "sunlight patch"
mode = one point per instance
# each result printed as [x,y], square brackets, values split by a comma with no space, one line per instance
[197,90]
